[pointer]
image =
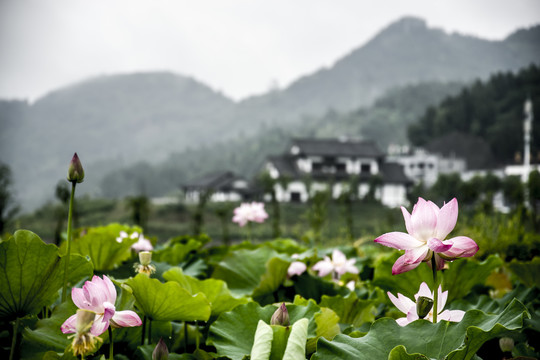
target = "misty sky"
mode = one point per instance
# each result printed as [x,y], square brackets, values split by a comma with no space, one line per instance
[239,47]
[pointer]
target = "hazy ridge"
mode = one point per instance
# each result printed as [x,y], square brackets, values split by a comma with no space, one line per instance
[116,121]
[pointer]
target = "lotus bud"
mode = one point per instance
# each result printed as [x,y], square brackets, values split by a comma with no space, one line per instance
[281,316]
[160,351]
[423,306]
[506,344]
[75,170]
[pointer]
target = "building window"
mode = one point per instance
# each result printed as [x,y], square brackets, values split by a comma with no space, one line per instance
[365,168]
[316,166]
[341,168]
[295,197]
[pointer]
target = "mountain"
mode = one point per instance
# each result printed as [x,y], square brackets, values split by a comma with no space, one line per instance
[406,52]
[115,121]
[385,122]
[111,121]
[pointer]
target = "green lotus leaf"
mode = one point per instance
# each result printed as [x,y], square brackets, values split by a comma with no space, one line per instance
[252,272]
[144,352]
[216,291]
[464,274]
[176,253]
[32,272]
[406,283]
[452,341]
[99,243]
[314,287]
[167,301]
[327,326]
[528,272]
[47,334]
[400,353]
[287,246]
[461,276]
[233,332]
[262,343]
[350,309]
[296,344]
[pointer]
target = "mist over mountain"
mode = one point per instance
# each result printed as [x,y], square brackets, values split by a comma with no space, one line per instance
[115,121]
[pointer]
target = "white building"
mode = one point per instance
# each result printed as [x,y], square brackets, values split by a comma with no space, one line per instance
[221,186]
[422,166]
[312,165]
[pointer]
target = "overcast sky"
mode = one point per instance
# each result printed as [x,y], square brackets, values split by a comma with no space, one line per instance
[239,47]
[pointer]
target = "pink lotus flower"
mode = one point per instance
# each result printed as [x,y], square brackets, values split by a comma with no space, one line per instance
[99,296]
[408,307]
[296,268]
[249,212]
[142,244]
[427,228]
[338,265]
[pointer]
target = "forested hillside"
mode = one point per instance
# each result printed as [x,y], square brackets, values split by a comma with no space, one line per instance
[491,110]
[385,122]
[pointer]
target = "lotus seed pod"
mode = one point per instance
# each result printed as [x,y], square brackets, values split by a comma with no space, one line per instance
[506,344]
[423,306]
[145,257]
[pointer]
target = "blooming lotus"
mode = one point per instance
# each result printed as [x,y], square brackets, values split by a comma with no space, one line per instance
[338,265]
[427,227]
[408,307]
[124,235]
[296,268]
[142,244]
[253,212]
[99,296]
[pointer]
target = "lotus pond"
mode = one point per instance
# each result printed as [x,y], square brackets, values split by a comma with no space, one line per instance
[128,297]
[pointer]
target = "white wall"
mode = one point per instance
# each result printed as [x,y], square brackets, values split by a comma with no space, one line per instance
[393,195]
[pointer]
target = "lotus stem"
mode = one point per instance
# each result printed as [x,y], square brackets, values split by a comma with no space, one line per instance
[435,288]
[111,352]
[143,329]
[185,336]
[149,331]
[250,230]
[197,335]
[68,253]
[14,340]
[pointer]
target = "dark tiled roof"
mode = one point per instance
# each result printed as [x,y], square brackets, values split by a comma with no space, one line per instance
[394,173]
[285,165]
[221,180]
[337,147]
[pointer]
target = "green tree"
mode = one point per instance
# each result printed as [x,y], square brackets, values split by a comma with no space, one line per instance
[140,209]
[198,214]
[533,187]
[317,212]
[223,212]
[62,194]
[513,191]
[267,184]
[8,207]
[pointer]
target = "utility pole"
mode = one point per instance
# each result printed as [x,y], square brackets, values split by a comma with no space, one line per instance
[527,130]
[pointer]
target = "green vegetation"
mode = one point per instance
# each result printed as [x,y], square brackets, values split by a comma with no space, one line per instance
[491,110]
[167,221]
